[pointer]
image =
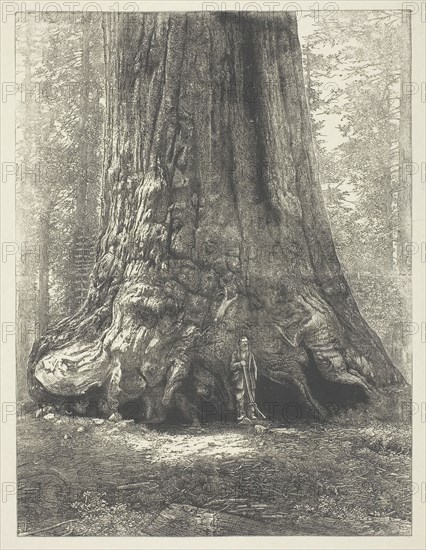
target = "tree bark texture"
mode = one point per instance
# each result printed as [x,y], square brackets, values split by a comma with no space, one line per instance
[213,226]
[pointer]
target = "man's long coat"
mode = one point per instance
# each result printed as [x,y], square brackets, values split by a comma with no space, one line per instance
[238,374]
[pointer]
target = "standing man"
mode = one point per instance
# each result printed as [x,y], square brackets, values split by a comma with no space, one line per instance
[244,376]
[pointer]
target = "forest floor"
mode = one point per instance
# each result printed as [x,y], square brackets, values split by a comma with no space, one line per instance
[92,477]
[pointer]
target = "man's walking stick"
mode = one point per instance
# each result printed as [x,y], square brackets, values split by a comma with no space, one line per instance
[251,396]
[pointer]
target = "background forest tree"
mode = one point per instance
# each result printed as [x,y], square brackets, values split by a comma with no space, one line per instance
[59,149]
[355,81]
[355,63]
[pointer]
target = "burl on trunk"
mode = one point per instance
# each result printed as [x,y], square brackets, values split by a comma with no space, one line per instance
[213,225]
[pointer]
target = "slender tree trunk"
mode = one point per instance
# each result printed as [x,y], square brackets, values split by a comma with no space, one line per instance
[405,178]
[405,148]
[385,199]
[80,238]
[213,225]
[389,186]
[45,189]
[26,270]
[43,270]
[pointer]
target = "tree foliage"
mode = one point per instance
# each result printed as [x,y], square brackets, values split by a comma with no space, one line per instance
[353,69]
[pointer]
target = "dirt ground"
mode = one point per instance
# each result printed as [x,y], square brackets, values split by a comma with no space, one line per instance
[82,476]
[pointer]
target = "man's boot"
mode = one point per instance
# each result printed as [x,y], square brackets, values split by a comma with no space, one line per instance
[241,414]
[251,413]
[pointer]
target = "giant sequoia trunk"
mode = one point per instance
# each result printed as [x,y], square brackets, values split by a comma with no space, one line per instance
[213,226]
